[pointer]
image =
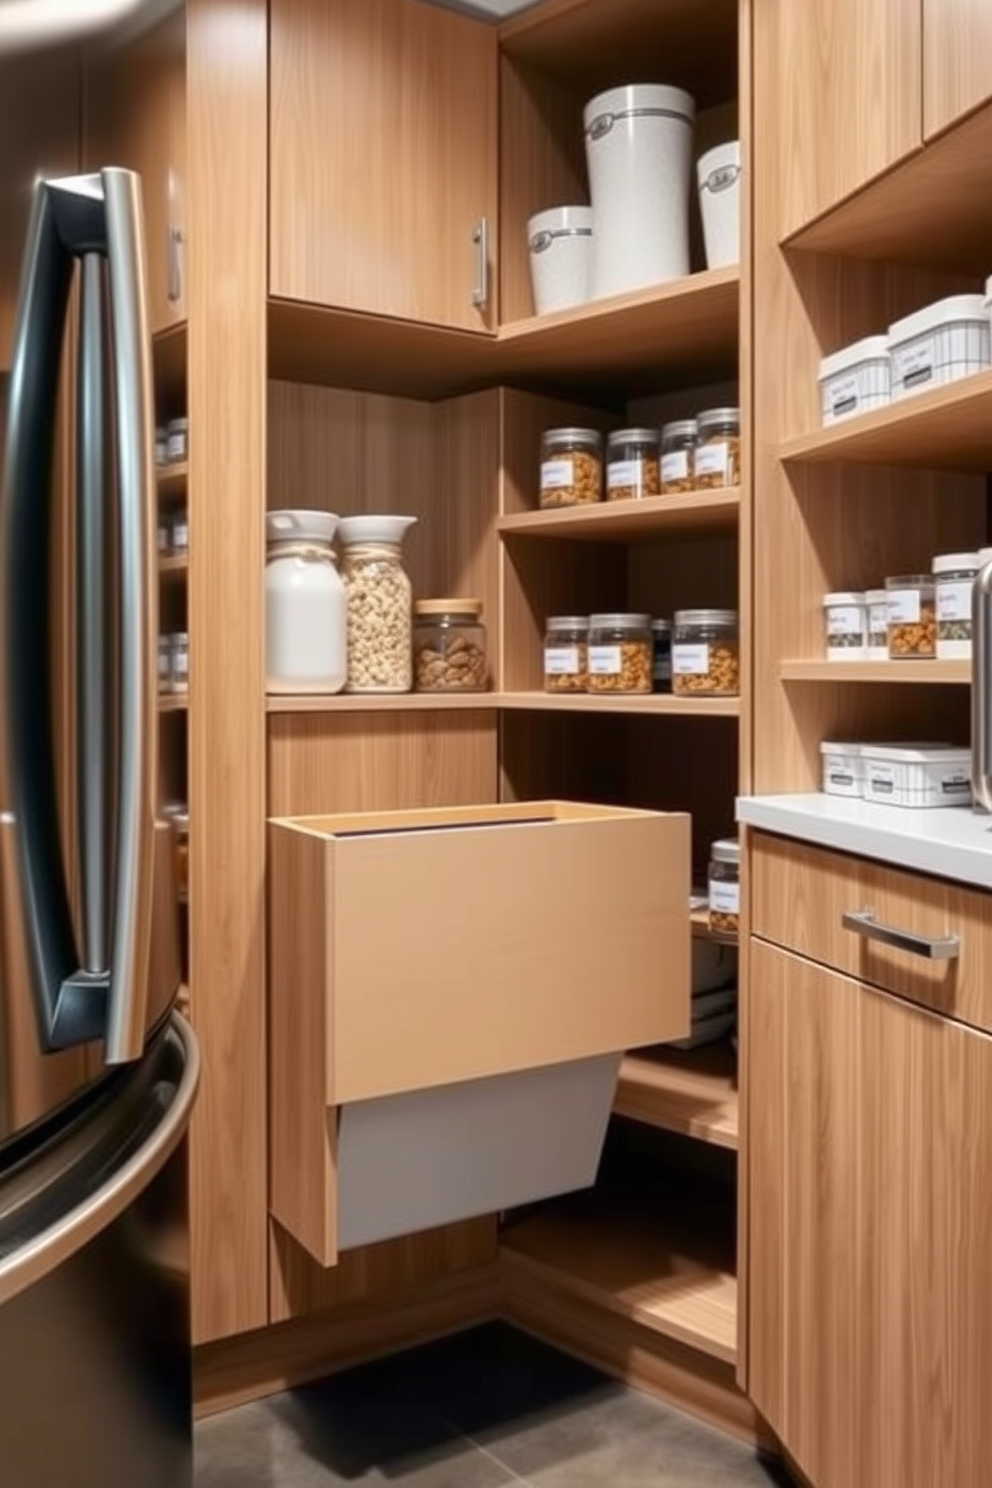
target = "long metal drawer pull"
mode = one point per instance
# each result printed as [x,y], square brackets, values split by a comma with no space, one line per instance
[863,922]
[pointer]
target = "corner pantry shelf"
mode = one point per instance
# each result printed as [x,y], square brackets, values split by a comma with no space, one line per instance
[875,671]
[174,567]
[172,478]
[685,514]
[692,1092]
[652,704]
[384,702]
[177,704]
[949,428]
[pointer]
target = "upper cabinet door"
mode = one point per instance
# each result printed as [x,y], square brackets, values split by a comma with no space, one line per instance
[957,60]
[384,159]
[846,83]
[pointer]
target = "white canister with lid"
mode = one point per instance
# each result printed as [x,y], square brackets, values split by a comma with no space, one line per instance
[639,153]
[846,625]
[559,243]
[877,606]
[954,581]
[306,618]
[719,175]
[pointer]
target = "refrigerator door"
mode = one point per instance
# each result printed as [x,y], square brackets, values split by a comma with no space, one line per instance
[95,1357]
[88,921]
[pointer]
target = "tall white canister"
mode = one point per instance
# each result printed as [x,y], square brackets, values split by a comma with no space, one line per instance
[306,619]
[719,172]
[639,153]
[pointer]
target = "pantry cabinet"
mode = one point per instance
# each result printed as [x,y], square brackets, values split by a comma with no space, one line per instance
[383,148]
[957,60]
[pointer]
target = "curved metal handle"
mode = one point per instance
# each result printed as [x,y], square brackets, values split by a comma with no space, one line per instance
[981,691]
[863,922]
[480,238]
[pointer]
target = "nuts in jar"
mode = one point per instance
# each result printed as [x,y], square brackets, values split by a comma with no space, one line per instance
[705,653]
[911,614]
[619,653]
[632,465]
[725,886]
[566,666]
[449,646]
[846,623]
[717,458]
[379,600]
[571,467]
[678,444]
[954,579]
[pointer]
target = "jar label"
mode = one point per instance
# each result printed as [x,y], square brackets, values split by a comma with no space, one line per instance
[605,661]
[843,395]
[561,661]
[902,606]
[913,366]
[180,664]
[692,660]
[725,897]
[624,473]
[954,600]
[555,474]
[180,535]
[675,465]
[843,620]
[713,459]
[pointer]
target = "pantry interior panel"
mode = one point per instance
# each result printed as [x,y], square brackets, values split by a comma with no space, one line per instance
[957,60]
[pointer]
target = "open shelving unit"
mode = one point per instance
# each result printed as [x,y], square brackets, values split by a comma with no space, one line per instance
[899,672]
[689,513]
[693,1093]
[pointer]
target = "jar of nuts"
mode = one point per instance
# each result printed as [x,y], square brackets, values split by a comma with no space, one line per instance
[571,467]
[678,445]
[705,653]
[725,886]
[632,465]
[449,646]
[379,603]
[911,613]
[620,658]
[717,459]
[954,579]
[566,653]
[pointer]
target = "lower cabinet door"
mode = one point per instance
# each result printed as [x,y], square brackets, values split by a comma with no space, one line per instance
[870,1213]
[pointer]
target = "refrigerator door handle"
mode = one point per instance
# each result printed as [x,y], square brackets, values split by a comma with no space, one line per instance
[981,692]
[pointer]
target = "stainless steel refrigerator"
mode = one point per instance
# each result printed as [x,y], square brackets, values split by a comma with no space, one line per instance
[98,1072]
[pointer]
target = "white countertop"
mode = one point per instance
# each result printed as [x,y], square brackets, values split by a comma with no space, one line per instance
[950,843]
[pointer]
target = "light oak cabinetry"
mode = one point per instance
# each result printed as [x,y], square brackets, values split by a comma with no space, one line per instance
[383,140]
[957,60]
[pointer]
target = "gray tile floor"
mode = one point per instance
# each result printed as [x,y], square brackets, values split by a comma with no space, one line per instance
[483,1410]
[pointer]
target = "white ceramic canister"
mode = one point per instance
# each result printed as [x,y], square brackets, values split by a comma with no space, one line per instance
[639,153]
[306,615]
[559,242]
[719,175]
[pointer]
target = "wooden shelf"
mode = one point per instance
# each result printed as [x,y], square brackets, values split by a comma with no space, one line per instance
[391,702]
[694,1093]
[172,478]
[699,922]
[875,671]
[652,704]
[174,566]
[169,357]
[536,702]
[947,428]
[686,514]
[176,704]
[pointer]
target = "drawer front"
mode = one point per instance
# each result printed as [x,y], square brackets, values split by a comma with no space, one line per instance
[800,895]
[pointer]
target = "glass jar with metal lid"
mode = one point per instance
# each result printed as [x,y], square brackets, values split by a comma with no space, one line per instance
[571,467]
[725,886]
[620,653]
[449,646]
[678,446]
[954,580]
[911,615]
[566,643]
[632,465]
[705,653]
[717,458]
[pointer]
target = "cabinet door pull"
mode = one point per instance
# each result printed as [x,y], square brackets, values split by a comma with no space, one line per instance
[480,241]
[863,922]
[175,289]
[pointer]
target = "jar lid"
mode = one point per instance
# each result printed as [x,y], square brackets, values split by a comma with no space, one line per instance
[180,638]
[568,622]
[177,425]
[726,850]
[955,562]
[591,438]
[387,530]
[448,607]
[632,436]
[910,581]
[705,617]
[661,626]
[678,429]
[301,525]
[718,416]
[620,622]
[874,596]
[843,597]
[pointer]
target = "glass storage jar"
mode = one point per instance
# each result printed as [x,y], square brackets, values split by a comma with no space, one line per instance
[380,602]
[845,616]
[632,465]
[725,886]
[911,617]
[179,534]
[678,445]
[305,611]
[954,580]
[176,440]
[619,653]
[179,664]
[878,626]
[449,646]
[571,467]
[566,643]
[705,653]
[717,459]
[165,663]
[661,658]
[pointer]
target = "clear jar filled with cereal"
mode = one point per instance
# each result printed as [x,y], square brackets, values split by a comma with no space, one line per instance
[705,654]
[954,580]
[717,458]
[620,653]
[566,643]
[571,467]
[632,465]
[449,646]
[911,617]
[678,446]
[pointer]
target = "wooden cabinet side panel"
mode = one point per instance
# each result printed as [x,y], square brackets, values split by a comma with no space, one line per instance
[957,60]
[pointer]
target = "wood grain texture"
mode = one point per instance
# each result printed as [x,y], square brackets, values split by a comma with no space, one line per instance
[957,60]
[383,148]
[693,1093]
[628,521]
[228,83]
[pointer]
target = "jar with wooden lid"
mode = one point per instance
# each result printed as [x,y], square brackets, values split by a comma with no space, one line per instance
[678,448]
[449,646]
[717,457]
[911,615]
[620,658]
[566,642]
[571,467]
[705,653]
[724,886]
[632,465]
